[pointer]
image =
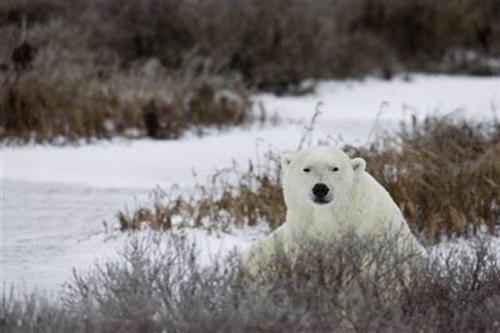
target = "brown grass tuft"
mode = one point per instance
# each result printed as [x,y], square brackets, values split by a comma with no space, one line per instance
[443,173]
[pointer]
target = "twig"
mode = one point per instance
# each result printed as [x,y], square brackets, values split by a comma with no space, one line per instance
[309,128]
[380,111]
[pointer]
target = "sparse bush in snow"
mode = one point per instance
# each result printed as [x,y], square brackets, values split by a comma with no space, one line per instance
[156,285]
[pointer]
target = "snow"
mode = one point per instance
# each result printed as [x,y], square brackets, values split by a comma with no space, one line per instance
[54,199]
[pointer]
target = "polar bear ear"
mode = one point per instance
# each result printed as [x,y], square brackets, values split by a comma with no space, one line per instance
[286,160]
[358,164]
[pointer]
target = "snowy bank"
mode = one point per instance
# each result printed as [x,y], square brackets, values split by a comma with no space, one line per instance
[55,199]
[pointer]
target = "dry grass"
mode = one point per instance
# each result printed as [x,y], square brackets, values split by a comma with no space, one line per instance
[67,68]
[56,86]
[255,198]
[156,285]
[442,172]
[45,106]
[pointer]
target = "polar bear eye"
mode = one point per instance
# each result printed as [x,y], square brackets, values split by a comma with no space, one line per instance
[306,170]
[335,169]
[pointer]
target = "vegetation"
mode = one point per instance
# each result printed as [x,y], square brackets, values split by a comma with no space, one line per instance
[156,285]
[442,172]
[99,68]
[85,69]
[47,106]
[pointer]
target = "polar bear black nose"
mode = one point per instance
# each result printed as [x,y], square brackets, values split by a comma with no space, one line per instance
[320,190]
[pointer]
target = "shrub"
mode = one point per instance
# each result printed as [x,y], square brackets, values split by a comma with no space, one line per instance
[65,55]
[63,87]
[442,173]
[277,44]
[156,284]
[44,106]
[256,198]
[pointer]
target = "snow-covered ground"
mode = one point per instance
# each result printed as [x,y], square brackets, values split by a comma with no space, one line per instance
[54,199]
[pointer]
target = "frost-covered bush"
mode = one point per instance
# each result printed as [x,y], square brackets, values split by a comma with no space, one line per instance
[156,285]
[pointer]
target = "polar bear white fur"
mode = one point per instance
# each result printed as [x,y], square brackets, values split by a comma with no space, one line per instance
[327,193]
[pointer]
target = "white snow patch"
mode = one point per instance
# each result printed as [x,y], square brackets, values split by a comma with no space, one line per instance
[54,199]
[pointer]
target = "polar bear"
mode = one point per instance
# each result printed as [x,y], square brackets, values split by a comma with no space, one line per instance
[327,193]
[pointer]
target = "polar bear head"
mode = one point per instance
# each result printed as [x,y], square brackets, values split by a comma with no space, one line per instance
[319,176]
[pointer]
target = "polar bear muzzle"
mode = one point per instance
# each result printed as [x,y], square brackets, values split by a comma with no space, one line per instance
[321,194]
